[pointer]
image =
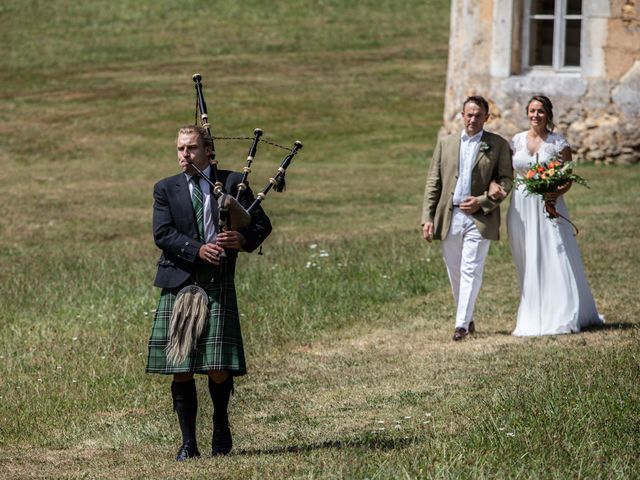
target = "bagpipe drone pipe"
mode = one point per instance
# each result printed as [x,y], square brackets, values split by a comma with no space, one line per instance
[232,215]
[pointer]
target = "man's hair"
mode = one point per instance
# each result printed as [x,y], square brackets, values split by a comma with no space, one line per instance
[478,100]
[202,133]
[547,106]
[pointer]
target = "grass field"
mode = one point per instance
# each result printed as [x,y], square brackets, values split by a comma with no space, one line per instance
[347,316]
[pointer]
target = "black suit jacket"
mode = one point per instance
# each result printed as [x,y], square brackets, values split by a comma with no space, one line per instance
[176,233]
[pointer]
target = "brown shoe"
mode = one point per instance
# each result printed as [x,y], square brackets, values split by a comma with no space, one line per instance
[459,334]
[472,328]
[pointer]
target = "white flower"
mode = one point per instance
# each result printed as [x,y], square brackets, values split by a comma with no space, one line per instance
[313,245]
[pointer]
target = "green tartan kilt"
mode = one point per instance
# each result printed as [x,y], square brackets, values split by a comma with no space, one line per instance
[220,345]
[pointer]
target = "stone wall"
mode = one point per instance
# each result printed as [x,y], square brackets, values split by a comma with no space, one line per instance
[597,109]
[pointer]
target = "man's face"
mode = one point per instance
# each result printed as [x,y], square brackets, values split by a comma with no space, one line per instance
[473,117]
[191,150]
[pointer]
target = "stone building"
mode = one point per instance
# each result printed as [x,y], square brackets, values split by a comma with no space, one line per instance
[583,54]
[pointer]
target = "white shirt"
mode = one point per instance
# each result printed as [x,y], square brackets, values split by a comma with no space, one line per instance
[468,151]
[209,224]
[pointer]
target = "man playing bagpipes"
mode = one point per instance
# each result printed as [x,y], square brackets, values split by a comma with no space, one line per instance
[196,328]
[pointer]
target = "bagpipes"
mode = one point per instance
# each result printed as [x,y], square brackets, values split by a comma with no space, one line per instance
[232,213]
[190,311]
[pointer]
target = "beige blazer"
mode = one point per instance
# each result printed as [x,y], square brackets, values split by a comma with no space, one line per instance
[493,162]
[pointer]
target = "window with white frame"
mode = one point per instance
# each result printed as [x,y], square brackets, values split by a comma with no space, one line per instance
[551,34]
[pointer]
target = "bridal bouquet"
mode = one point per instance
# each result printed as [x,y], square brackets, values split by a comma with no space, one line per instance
[547,177]
[543,178]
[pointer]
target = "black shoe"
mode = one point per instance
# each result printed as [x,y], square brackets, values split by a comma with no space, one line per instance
[472,327]
[459,334]
[221,442]
[186,452]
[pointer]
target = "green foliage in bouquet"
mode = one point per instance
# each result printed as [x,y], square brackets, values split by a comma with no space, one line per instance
[543,178]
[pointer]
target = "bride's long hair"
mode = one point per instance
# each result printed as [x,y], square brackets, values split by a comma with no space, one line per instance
[548,109]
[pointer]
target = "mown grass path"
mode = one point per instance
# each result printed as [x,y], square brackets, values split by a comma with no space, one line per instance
[398,401]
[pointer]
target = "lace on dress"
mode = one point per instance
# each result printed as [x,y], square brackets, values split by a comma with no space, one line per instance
[549,149]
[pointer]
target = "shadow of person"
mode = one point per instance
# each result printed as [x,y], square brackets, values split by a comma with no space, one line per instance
[611,326]
[588,329]
[501,332]
[372,442]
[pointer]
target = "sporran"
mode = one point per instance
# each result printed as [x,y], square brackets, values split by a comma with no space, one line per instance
[188,319]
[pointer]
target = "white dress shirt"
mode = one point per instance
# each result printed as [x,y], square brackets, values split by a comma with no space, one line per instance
[209,225]
[468,151]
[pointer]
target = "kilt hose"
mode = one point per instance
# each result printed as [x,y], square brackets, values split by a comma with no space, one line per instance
[220,345]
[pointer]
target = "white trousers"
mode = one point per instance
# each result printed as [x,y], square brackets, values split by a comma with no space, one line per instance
[464,251]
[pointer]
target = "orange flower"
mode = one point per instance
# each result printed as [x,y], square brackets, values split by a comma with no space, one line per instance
[540,169]
[531,174]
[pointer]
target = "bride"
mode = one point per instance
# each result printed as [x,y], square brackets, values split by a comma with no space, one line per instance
[555,296]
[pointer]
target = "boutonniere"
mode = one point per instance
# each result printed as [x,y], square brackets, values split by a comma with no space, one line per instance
[484,147]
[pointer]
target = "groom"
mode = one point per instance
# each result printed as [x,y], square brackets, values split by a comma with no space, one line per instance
[458,208]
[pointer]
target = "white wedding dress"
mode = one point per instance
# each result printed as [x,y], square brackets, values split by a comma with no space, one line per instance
[555,296]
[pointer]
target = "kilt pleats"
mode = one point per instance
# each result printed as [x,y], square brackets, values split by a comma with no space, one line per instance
[220,345]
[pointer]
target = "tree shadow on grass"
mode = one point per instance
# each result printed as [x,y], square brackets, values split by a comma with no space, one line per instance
[369,442]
